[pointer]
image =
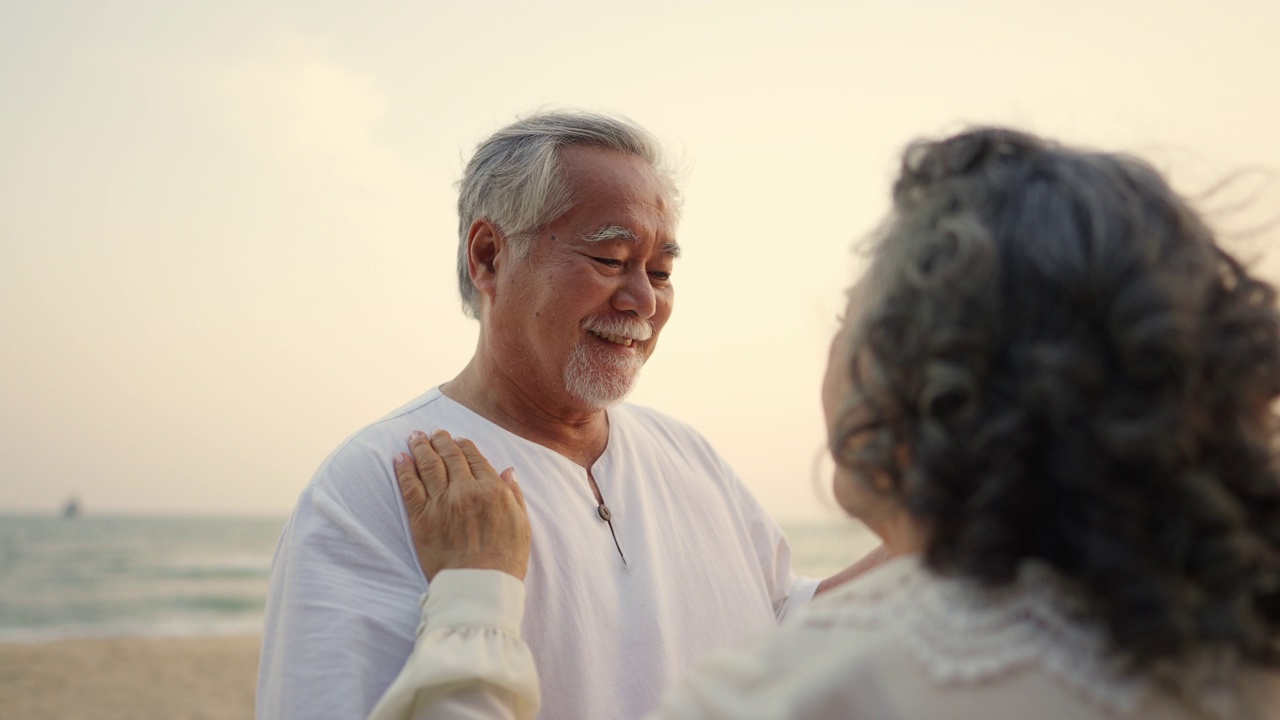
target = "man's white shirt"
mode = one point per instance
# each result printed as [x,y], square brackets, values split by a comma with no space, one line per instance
[705,568]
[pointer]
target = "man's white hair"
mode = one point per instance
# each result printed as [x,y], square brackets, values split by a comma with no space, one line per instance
[514,178]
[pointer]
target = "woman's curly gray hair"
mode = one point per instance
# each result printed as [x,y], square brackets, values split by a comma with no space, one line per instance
[1078,374]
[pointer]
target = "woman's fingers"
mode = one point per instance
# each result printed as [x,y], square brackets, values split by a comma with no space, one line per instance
[415,495]
[482,470]
[479,464]
[509,478]
[441,460]
[461,511]
[455,463]
[431,467]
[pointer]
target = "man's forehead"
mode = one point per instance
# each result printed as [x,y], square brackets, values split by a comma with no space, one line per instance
[621,233]
[591,169]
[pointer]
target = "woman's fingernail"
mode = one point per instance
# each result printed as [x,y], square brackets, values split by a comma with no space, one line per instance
[401,459]
[417,435]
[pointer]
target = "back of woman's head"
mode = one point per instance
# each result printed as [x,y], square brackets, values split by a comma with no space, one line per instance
[1059,362]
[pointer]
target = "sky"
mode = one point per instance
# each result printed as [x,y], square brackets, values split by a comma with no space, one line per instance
[227,230]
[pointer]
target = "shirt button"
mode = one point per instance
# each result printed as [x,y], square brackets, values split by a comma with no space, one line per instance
[604,512]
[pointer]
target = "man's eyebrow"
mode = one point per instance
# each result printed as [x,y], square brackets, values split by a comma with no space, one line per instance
[610,233]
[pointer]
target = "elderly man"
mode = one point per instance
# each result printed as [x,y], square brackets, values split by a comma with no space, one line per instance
[648,551]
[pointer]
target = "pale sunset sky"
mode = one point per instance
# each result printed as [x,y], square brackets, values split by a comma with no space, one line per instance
[227,229]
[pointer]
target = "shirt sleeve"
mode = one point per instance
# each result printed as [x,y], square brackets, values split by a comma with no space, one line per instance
[469,662]
[788,592]
[343,594]
[792,592]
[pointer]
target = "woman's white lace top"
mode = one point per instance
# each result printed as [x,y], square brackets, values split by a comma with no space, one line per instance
[959,633]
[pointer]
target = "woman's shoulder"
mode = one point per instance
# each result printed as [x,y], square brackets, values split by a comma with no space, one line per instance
[801,670]
[902,642]
[959,633]
[1026,637]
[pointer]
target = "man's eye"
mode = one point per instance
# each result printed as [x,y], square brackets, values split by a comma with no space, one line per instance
[660,275]
[608,262]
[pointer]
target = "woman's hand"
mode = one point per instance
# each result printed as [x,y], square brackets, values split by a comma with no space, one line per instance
[462,513]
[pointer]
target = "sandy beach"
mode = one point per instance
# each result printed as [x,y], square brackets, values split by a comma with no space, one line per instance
[134,678]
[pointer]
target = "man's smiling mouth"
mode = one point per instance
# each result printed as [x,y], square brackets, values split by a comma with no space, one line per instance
[615,339]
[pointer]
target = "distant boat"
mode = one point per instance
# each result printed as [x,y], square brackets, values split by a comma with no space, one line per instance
[71,509]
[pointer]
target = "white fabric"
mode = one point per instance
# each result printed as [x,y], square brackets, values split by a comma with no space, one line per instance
[902,644]
[477,666]
[706,568]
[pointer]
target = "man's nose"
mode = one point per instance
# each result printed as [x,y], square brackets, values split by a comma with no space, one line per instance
[636,295]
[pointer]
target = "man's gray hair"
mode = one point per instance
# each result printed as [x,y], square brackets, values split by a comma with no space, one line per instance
[514,179]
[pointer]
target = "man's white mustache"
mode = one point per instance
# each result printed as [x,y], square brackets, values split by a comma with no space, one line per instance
[621,326]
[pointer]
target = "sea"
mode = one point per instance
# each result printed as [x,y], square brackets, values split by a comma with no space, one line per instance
[110,576]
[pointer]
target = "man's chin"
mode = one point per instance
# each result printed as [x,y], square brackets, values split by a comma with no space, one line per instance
[600,379]
[599,391]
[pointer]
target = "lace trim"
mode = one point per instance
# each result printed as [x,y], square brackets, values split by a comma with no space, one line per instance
[962,634]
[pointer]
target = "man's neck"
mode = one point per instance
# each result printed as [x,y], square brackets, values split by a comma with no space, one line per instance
[580,434]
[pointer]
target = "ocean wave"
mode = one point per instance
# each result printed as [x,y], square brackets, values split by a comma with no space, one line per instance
[231,570]
[172,628]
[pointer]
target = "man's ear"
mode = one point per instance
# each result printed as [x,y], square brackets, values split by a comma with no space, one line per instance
[485,245]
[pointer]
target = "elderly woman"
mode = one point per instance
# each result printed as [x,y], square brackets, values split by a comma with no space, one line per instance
[1052,399]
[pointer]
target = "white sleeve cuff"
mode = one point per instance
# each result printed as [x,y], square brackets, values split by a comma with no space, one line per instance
[469,660]
[474,598]
[800,595]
